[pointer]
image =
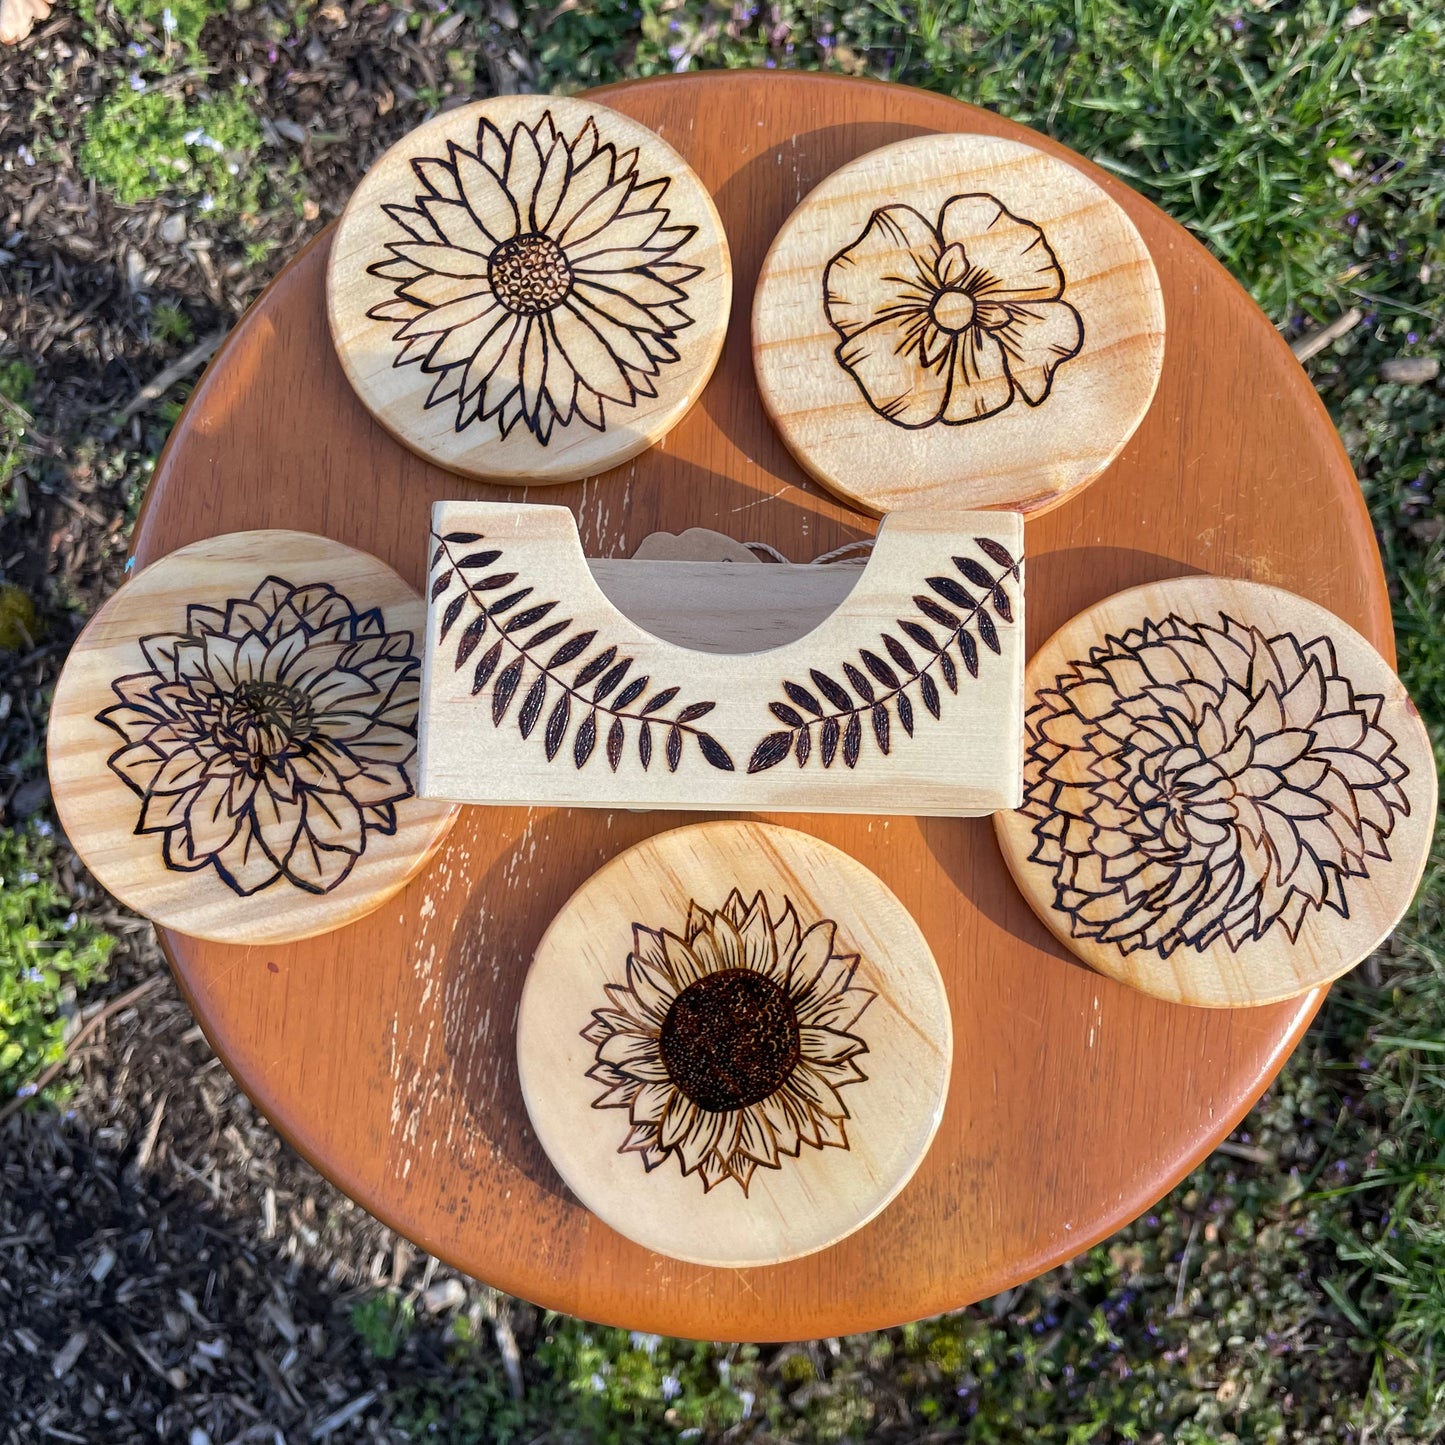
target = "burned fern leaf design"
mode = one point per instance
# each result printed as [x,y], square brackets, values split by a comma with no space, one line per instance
[968,607]
[610,704]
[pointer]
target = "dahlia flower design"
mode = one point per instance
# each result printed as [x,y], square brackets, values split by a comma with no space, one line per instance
[271,738]
[727,1046]
[948,321]
[535,278]
[1195,784]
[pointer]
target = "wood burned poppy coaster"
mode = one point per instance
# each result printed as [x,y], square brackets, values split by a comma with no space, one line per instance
[232,741]
[957,321]
[734,1044]
[1228,795]
[530,289]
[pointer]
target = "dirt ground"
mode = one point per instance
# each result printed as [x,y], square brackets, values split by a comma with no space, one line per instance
[169,1269]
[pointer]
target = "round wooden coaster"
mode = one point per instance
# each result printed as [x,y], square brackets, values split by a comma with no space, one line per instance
[957,320]
[530,289]
[734,1044]
[1229,797]
[232,740]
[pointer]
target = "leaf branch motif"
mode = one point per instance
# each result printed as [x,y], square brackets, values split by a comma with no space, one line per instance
[884,691]
[600,696]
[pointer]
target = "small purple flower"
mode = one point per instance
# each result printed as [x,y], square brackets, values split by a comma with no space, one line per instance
[1237,24]
[1353,219]
[27,1091]
[136,83]
[1412,337]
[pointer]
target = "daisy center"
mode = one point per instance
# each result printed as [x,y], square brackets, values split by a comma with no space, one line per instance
[731,1039]
[264,721]
[529,274]
[953,310]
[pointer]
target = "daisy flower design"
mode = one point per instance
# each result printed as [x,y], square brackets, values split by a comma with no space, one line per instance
[728,1045]
[946,321]
[535,278]
[271,738]
[1195,783]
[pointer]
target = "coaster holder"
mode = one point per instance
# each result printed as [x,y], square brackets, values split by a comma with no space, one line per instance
[552,678]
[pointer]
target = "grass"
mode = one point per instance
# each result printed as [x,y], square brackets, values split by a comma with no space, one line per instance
[16,379]
[47,954]
[1294,1288]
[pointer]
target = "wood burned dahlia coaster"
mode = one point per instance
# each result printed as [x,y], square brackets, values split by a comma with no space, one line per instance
[233,738]
[1229,797]
[957,321]
[530,289]
[734,1044]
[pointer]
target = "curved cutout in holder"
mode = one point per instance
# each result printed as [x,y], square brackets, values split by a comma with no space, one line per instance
[904,695]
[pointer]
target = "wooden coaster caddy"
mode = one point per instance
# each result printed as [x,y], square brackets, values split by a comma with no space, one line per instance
[905,696]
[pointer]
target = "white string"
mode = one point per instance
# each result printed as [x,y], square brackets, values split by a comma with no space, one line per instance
[838,554]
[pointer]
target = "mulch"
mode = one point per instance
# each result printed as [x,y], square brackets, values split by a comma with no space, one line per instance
[169,1268]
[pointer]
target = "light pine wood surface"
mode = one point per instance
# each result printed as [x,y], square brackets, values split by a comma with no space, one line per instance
[906,697]
[957,321]
[1230,798]
[232,739]
[385,1051]
[529,288]
[734,1044]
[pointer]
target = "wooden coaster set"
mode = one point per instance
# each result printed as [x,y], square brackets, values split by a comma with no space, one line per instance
[733,1042]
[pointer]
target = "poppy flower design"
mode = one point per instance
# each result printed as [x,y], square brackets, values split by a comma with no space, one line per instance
[728,1045]
[271,738]
[535,278]
[947,321]
[1195,784]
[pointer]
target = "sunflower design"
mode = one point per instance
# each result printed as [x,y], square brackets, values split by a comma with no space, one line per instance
[728,1046]
[945,322]
[1193,783]
[271,737]
[535,278]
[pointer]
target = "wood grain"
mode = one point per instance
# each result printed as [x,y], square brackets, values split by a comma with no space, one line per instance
[232,739]
[957,321]
[529,288]
[1230,798]
[383,1052]
[734,1044]
[904,698]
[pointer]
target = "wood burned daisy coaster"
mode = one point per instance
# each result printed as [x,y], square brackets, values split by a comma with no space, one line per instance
[1229,797]
[957,321]
[734,1044]
[529,289]
[232,741]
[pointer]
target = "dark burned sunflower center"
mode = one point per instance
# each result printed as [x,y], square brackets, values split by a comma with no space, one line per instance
[265,720]
[730,1040]
[529,274]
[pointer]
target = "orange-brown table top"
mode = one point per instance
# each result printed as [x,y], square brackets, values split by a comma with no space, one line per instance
[385,1051]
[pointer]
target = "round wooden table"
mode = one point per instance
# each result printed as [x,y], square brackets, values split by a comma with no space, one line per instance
[385,1052]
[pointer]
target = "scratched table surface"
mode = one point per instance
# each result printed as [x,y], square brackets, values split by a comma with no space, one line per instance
[385,1052]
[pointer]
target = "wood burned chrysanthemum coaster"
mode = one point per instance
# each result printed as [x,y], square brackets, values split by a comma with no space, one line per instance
[734,1044]
[957,321]
[232,741]
[1229,797]
[530,289]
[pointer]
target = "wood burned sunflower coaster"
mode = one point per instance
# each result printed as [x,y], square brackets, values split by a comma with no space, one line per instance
[734,1044]
[1229,797]
[957,321]
[233,738]
[530,289]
